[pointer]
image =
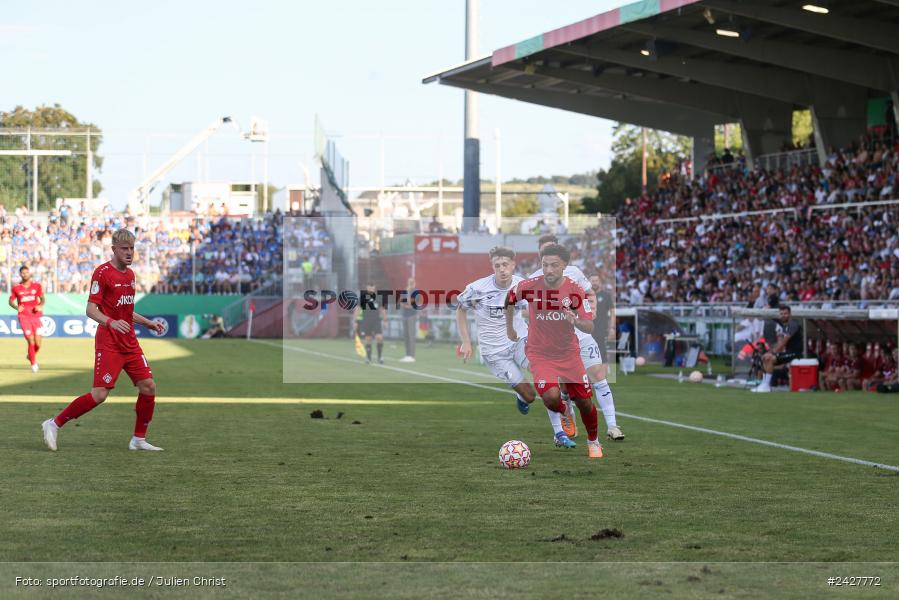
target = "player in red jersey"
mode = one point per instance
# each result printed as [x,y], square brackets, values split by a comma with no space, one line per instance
[556,306]
[111,304]
[27,298]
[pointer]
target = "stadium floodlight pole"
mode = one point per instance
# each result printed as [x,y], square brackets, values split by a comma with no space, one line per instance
[471,196]
[90,173]
[499,187]
[265,176]
[34,187]
[193,266]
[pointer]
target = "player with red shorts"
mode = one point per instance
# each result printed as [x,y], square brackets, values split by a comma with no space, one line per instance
[27,298]
[111,304]
[556,306]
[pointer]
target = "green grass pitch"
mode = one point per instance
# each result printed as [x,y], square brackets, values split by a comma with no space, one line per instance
[403,495]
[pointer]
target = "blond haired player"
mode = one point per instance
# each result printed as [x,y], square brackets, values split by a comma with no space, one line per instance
[111,305]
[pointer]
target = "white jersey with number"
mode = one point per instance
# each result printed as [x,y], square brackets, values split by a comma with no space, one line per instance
[487,301]
[577,276]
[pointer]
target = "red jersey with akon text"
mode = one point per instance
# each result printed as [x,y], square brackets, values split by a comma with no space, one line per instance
[113,291]
[550,335]
[27,296]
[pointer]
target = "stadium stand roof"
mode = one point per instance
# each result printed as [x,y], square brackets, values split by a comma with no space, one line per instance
[686,65]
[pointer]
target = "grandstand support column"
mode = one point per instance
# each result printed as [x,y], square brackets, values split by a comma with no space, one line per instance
[839,116]
[766,127]
[703,148]
[894,96]
[471,195]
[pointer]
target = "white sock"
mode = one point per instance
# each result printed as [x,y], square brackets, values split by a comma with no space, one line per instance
[555,419]
[766,380]
[606,403]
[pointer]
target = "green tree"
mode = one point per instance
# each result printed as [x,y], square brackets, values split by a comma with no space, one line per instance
[58,176]
[623,178]
[802,128]
[520,205]
[728,135]
[260,196]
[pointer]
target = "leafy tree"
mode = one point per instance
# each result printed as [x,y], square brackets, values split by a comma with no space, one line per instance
[58,176]
[520,205]
[802,127]
[260,196]
[728,136]
[623,178]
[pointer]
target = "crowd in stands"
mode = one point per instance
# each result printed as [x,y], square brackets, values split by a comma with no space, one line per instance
[702,240]
[173,254]
[847,367]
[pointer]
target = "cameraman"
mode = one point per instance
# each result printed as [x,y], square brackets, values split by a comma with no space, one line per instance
[216,327]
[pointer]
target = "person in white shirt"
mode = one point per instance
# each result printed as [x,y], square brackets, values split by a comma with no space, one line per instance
[506,359]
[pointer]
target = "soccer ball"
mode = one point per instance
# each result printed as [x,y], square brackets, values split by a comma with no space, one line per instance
[696,377]
[514,454]
[640,361]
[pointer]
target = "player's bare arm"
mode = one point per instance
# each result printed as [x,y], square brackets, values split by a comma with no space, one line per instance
[148,323]
[585,325]
[14,304]
[94,312]
[465,350]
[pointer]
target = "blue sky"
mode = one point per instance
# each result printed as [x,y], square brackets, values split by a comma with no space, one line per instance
[152,74]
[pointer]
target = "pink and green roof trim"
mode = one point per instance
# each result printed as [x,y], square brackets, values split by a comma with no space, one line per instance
[581,29]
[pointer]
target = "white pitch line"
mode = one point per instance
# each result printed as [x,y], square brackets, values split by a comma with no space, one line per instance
[397,369]
[725,434]
[471,372]
[743,438]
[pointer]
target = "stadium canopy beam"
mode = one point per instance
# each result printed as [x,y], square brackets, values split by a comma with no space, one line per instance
[857,68]
[689,122]
[725,103]
[774,83]
[863,32]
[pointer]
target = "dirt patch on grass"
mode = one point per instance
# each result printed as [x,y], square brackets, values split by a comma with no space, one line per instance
[605,534]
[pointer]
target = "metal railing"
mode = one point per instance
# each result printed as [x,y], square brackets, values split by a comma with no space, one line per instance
[263,298]
[787,160]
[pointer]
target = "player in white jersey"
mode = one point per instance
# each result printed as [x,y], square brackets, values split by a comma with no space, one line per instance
[591,357]
[486,298]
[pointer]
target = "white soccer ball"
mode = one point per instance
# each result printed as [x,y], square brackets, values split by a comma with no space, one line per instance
[514,454]
[640,361]
[696,377]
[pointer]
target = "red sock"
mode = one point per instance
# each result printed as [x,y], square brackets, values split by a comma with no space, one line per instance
[31,353]
[559,408]
[144,410]
[78,407]
[591,422]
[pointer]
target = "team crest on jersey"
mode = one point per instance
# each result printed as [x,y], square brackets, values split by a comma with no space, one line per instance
[566,302]
[107,378]
[95,286]
[541,383]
